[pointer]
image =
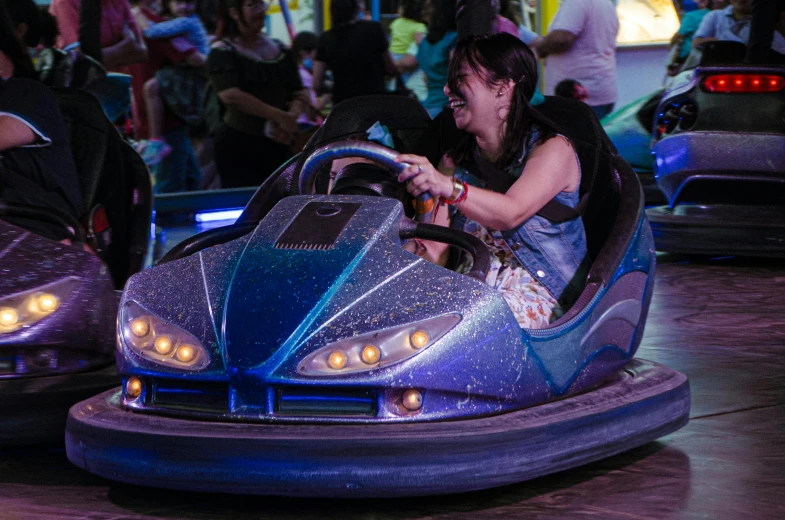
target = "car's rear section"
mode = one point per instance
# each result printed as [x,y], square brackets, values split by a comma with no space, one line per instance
[719,158]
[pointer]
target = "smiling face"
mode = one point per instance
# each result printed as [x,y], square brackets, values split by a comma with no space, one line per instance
[477,104]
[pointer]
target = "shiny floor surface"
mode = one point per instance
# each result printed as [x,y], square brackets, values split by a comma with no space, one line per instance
[722,322]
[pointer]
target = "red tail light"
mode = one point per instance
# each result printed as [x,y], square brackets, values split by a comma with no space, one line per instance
[743,83]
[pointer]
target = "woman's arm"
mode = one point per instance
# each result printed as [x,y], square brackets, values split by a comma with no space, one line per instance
[253,106]
[551,168]
[14,133]
[131,49]
[319,68]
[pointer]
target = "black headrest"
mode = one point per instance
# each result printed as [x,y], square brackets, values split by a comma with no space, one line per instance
[403,116]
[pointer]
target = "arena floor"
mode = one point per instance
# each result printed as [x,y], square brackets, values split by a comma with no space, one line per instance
[720,321]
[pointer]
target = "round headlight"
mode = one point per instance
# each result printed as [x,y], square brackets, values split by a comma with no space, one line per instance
[337,360]
[133,387]
[371,354]
[186,353]
[140,327]
[8,316]
[419,338]
[163,345]
[47,302]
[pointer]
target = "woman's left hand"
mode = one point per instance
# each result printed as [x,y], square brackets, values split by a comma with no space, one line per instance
[421,176]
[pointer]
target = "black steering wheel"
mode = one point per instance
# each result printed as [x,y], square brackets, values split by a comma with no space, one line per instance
[424,204]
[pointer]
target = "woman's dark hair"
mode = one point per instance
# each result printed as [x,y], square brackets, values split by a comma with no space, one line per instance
[443,21]
[344,12]
[412,9]
[566,88]
[227,26]
[10,46]
[497,58]
[26,12]
[305,41]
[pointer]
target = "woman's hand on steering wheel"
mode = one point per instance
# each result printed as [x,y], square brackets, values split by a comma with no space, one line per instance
[421,176]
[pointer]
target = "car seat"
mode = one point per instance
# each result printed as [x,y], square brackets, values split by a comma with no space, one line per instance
[111,176]
[404,117]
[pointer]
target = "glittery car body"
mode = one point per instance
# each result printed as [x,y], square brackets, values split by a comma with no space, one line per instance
[303,351]
[269,315]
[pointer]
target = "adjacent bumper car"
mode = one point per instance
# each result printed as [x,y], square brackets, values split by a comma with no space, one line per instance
[629,129]
[58,303]
[302,351]
[719,157]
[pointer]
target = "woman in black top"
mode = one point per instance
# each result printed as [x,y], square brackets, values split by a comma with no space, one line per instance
[258,82]
[356,53]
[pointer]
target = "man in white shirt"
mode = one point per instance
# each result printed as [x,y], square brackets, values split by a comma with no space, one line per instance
[732,24]
[581,45]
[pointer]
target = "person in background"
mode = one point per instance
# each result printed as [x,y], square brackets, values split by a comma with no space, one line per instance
[179,171]
[537,265]
[581,45]
[407,28]
[179,83]
[767,16]
[503,23]
[573,89]
[257,80]
[304,49]
[356,51]
[36,165]
[434,52]
[121,41]
[14,37]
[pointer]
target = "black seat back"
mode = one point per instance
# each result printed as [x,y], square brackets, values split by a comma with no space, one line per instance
[111,174]
[406,119]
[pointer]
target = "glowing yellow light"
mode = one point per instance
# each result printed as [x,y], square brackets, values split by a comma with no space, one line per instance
[133,387]
[163,345]
[8,317]
[47,302]
[419,338]
[412,400]
[186,353]
[371,354]
[337,360]
[140,327]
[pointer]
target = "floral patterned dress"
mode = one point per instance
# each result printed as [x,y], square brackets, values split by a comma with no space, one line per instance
[534,307]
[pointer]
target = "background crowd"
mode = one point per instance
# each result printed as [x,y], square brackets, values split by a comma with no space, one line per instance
[216,102]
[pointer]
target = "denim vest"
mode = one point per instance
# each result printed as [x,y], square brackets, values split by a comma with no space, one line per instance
[553,253]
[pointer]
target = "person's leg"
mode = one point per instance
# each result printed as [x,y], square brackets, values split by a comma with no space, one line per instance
[765,15]
[155,149]
[603,110]
[155,108]
[170,175]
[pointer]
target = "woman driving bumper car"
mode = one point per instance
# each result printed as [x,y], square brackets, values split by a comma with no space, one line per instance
[538,265]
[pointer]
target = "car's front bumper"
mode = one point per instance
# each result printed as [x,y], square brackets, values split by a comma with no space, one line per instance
[643,402]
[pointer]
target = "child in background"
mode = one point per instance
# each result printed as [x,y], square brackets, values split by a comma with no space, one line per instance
[180,87]
[407,28]
[304,49]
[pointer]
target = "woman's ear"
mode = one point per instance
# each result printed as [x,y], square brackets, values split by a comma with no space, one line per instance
[505,88]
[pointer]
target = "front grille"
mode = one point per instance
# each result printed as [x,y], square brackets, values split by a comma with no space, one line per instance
[318,402]
[184,395]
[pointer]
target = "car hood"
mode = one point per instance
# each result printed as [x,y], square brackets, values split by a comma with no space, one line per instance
[301,281]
